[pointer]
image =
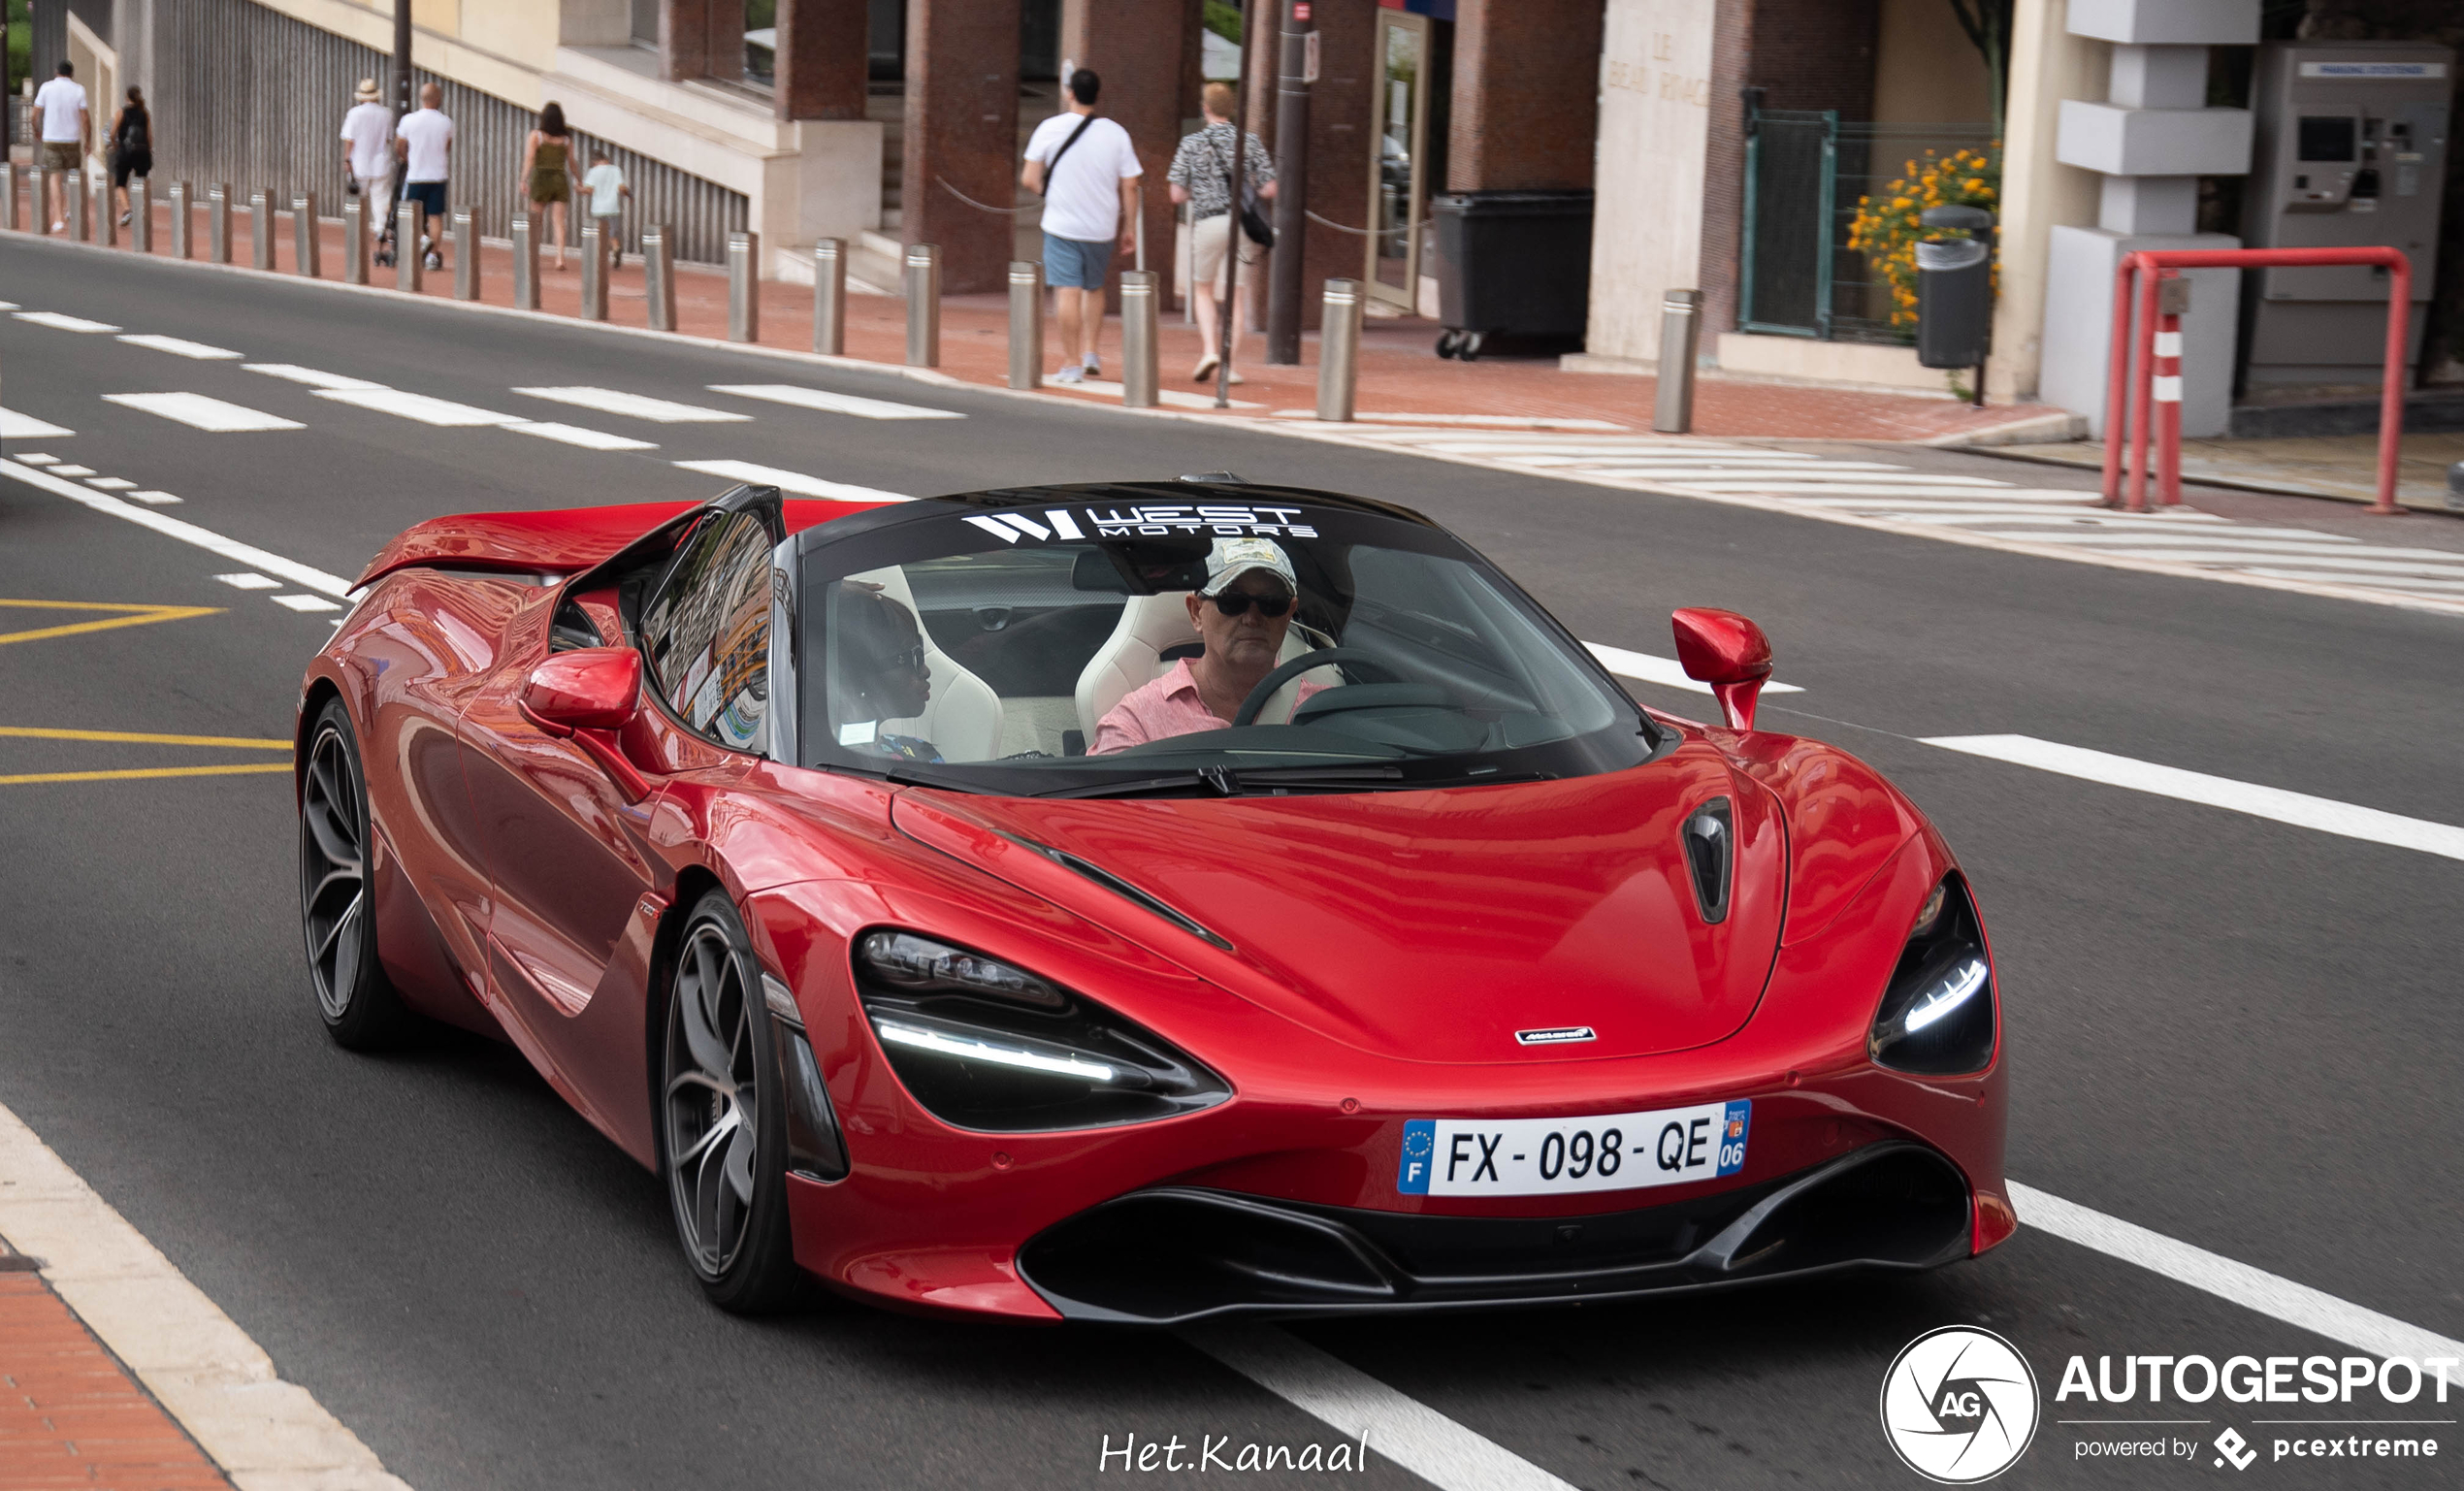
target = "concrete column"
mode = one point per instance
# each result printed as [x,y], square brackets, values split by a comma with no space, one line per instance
[684,37]
[1136,47]
[821,59]
[961,128]
[1516,124]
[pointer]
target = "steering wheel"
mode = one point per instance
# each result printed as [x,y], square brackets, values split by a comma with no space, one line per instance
[1349,657]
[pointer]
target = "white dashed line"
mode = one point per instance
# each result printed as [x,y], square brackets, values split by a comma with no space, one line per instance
[306,603]
[1662,670]
[610,401]
[832,404]
[2300,809]
[576,434]
[250,579]
[419,406]
[795,482]
[36,458]
[156,499]
[293,373]
[63,323]
[14,426]
[178,346]
[72,471]
[304,575]
[196,411]
[110,483]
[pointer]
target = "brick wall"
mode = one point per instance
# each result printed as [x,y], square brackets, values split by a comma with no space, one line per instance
[1526,95]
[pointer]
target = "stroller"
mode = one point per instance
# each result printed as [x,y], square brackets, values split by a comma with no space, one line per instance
[387,249]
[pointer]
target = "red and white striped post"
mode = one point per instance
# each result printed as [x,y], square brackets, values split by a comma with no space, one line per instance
[2173,295]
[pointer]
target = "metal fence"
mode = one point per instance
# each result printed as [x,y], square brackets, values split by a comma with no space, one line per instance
[1805,172]
[246,95]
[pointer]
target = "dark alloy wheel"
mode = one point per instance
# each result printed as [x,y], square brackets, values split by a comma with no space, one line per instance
[361,1009]
[723,1122]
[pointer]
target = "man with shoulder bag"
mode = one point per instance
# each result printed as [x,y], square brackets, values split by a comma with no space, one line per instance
[1201,176]
[1086,207]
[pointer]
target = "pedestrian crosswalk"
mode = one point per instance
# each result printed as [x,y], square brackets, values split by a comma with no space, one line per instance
[1971,509]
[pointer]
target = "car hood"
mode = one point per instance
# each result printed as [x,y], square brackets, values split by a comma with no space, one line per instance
[1431,926]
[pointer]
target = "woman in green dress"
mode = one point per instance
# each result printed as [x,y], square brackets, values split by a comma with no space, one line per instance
[547,160]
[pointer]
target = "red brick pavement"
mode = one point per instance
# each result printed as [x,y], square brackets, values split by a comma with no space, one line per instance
[71,1416]
[1399,369]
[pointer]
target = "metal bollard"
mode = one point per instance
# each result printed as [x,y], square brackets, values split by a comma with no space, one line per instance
[594,271]
[410,220]
[72,198]
[744,286]
[141,214]
[1140,292]
[465,255]
[657,277]
[184,222]
[1339,349]
[8,197]
[261,230]
[526,262]
[1026,323]
[41,183]
[1680,324]
[923,305]
[219,222]
[106,226]
[355,241]
[829,296]
[308,245]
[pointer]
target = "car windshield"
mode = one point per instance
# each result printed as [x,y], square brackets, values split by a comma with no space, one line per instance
[1123,646]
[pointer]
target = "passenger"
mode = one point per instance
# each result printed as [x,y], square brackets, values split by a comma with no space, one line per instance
[881,674]
[1241,615]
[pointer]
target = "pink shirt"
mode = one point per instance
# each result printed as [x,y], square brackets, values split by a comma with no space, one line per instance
[1168,707]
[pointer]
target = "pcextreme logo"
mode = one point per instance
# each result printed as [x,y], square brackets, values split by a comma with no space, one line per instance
[1960,1405]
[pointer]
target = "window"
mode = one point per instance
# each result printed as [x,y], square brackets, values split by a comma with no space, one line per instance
[646,24]
[706,635]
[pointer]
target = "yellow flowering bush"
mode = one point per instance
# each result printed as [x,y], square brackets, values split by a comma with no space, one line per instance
[1886,229]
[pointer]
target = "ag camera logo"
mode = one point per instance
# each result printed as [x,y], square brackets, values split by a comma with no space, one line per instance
[1960,1405]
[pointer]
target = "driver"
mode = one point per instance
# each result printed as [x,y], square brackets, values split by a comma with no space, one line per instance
[881,674]
[1241,615]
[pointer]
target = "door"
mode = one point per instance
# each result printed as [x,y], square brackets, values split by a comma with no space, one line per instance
[1397,131]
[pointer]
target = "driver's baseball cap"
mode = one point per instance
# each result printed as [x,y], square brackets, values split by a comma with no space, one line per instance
[1232,558]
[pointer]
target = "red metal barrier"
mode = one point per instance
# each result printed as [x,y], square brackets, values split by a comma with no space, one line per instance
[2137,278]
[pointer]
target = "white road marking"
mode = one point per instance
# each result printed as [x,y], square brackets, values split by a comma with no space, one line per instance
[2300,809]
[306,603]
[1893,502]
[1814,482]
[110,483]
[14,426]
[2255,1290]
[419,406]
[1402,1429]
[795,482]
[200,1366]
[833,403]
[59,322]
[2377,581]
[1494,421]
[576,434]
[211,542]
[2346,565]
[1662,670]
[1172,395]
[156,499]
[293,373]
[196,411]
[178,346]
[35,458]
[250,579]
[72,471]
[8,305]
[611,401]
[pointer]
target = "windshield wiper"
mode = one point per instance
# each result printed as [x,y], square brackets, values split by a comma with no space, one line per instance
[1245,782]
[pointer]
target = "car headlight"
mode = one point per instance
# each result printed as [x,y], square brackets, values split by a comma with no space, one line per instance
[982,1045]
[1938,1012]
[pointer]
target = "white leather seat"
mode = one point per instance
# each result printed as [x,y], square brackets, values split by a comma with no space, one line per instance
[964,717]
[1132,658]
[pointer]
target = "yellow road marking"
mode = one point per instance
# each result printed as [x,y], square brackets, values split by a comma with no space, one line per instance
[128,616]
[157,771]
[134,737]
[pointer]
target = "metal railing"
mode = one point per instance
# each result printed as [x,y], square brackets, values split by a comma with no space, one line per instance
[1806,171]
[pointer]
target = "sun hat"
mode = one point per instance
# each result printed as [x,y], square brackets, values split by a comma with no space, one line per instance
[1232,558]
[367,92]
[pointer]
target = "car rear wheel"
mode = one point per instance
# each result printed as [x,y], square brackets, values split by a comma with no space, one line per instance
[723,1120]
[361,1009]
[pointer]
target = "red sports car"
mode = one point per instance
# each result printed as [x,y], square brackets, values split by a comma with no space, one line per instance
[1143,901]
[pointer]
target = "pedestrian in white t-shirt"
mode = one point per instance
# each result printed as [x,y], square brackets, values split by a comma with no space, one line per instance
[606,184]
[1088,171]
[61,104]
[367,150]
[424,144]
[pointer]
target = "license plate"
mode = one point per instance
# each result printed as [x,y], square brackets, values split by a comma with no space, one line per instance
[1563,1156]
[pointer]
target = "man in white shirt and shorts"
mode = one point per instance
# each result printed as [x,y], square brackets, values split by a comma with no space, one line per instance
[424,143]
[368,150]
[1088,172]
[61,104]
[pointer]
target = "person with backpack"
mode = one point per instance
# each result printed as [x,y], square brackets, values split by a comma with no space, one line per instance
[1085,208]
[131,149]
[1201,176]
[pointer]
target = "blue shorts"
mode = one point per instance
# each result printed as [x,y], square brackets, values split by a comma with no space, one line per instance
[1074,264]
[431,196]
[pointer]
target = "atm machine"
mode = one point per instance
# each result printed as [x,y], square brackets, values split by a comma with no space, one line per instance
[2351,153]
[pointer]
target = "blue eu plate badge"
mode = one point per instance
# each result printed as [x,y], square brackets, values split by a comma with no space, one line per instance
[1419,1144]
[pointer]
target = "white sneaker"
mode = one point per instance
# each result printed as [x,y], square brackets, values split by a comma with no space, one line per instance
[1070,372]
[1094,367]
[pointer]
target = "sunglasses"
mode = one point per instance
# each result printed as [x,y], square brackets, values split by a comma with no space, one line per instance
[1237,603]
[912,659]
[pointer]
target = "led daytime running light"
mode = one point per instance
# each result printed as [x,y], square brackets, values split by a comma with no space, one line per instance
[966,1050]
[1944,999]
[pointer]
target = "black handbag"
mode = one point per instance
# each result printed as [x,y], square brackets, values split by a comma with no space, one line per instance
[1254,223]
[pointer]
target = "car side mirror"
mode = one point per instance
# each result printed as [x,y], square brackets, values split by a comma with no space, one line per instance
[1728,652]
[590,688]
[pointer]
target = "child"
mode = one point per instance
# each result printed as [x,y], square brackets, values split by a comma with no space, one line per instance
[608,191]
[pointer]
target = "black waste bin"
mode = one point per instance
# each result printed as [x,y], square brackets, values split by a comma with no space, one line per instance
[1512,263]
[1955,289]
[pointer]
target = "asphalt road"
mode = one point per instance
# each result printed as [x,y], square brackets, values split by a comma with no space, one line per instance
[2239,1034]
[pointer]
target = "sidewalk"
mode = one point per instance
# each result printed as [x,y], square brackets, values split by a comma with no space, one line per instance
[1400,372]
[2342,467]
